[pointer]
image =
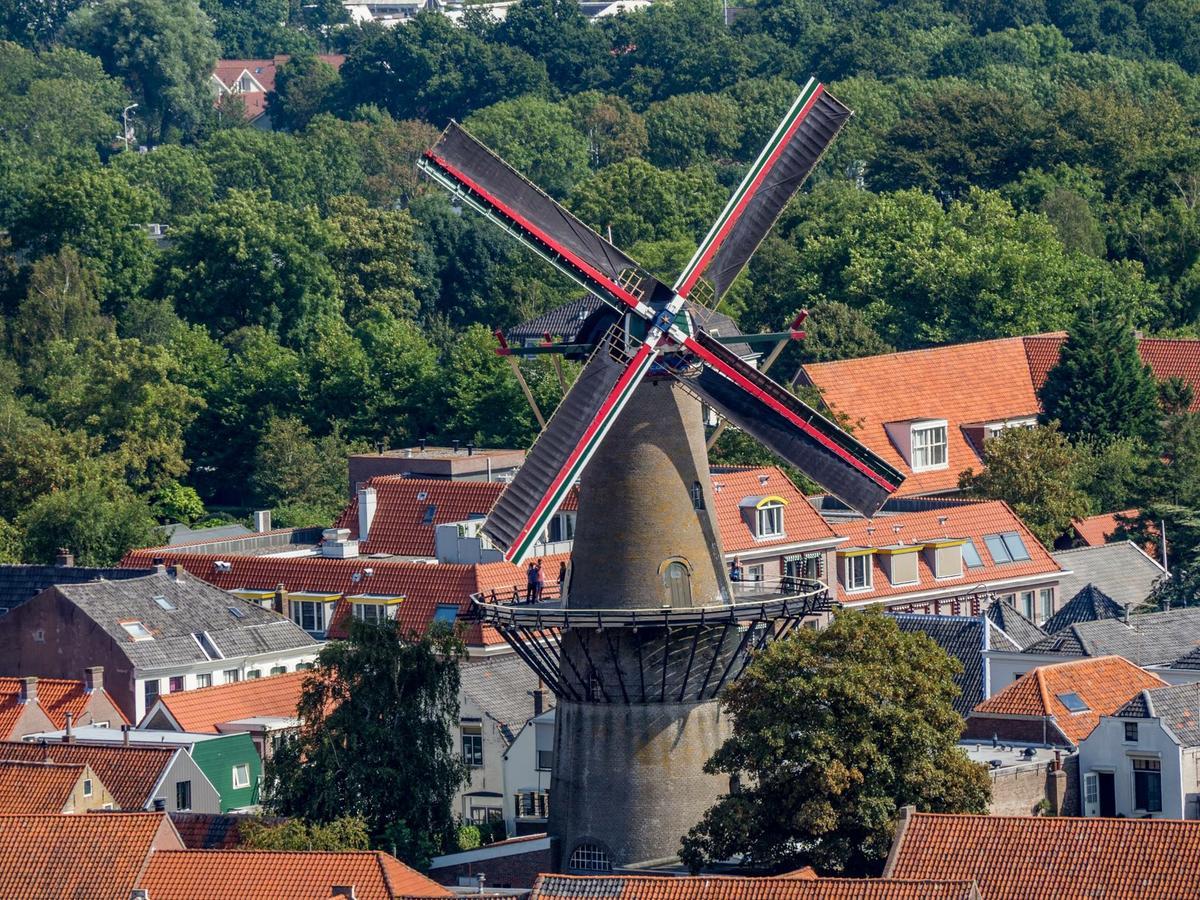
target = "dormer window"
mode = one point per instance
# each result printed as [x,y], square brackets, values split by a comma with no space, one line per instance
[929,446]
[856,570]
[770,519]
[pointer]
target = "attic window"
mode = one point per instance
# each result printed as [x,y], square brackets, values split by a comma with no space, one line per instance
[770,520]
[163,602]
[206,645]
[929,447]
[970,555]
[1073,702]
[236,613]
[446,612]
[430,512]
[1006,547]
[137,631]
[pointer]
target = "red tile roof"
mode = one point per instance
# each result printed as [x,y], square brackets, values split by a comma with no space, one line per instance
[963,520]
[274,875]
[56,696]
[801,523]
[228,71]
[709,887]
[11,712]
[1096,530]
[1103,683]
[200,711]
[97,856]
[1018,858]
[130,773]
[965,384]
[36,787]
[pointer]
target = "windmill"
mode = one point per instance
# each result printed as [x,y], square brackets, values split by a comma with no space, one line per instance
[652,627]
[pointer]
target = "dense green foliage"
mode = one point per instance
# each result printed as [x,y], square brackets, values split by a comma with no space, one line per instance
[1008,166]
[376,741]
[833,732]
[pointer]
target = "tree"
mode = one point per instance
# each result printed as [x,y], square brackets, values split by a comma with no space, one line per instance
[349,833]
[249,260]
[614,131]
[62,302]
[291,468]
[371,254]
[177,180]
[376,739]
[1033,470]
[693,128]
[163,50]
[537,138]
[833,732]
[177,502]
[36,458]
[34,23]
[304,87]
[1100,388]
[99,520]
[557,33]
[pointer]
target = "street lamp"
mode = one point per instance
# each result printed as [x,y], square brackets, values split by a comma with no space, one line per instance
[127,132]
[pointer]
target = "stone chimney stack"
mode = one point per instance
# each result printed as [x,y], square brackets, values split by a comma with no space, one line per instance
[28,689]
[64,558]
[262,520]
[93,679]
[367,501]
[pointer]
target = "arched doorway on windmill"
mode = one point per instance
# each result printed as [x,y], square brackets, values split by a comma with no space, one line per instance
[676,575]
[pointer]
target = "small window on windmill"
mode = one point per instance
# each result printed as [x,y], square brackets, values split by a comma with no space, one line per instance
[430,512]
[595,689]
[697,495]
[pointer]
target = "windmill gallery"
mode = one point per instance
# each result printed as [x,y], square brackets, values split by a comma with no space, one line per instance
[651,628]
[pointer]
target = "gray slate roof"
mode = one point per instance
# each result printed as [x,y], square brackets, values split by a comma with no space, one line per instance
[198,607]
[1150,639]
[178,533]
[562,321]
[1089,605]
[1177,705]
[962,638]
[502,686]
[21,583]
[1020,630]
[1121,570]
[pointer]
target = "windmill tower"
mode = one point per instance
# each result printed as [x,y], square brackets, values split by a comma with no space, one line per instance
[652,628]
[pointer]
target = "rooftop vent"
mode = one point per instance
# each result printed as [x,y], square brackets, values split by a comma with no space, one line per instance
[222,566]
[763,479]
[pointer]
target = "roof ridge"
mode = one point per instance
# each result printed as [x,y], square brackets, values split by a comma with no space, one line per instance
[1041,683]
[934,349]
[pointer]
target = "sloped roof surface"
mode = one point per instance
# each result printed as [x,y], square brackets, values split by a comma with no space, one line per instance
[56,696]
[214,831]
[967,520]
[562,322]
[130,773]
[503,686]
[275,875]
[1178,705]
[96,856]
[1089,605]
[21,583]
[35,787]
[1019,629]
[197,607]
[1104,685]
[962,638]
[1095,531]
[1019,857]
[707,887]
[1149,639]
[200,711]
[229,71]
[1121,570]
[801,522]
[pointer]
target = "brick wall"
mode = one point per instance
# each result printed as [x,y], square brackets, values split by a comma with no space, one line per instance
[1017,790]
[517,871]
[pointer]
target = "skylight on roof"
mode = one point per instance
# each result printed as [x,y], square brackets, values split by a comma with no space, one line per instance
[206,645]
[430,512]
[236,613]
[163,602]
[1016,546]
[970,554]
[137,631]
[446,612]
[1006,547]
[1073,702]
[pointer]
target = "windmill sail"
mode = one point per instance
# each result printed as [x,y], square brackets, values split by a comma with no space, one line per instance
[795,148]
[570,439]
[790,428]
[467,167]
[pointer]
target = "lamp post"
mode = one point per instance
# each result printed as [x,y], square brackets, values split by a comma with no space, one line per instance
[126,132]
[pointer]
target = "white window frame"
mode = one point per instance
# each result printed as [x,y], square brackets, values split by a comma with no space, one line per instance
[867,565]
[378,613]
[928,455]
[1046,603]
[768,520]
[239,784]
[1029,605]
[137,630]
[87,787]
[318,614]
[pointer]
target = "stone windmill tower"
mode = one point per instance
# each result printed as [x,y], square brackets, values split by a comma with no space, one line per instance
[652,629]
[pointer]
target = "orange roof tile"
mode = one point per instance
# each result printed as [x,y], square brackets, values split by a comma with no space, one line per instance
[229,71]
[274,875]
[1018,857]
[98,856]
[1104,683]
[708,887]
[56,696]
[130,773]
[11,710]
[37,787]
[200,711]
[971,520]
[1096,530]
[801,523]
[964,384]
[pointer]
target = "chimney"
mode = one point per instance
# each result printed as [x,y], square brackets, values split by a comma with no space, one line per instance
[482,879]
[70,731]
[539,700]
[93,679]
[125,735]
[262,520]
[28,689]
[421,444]
[64,558]
[343,892]
[160,804]
[454,445]
[160,567]
[470,448]
[367,500]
